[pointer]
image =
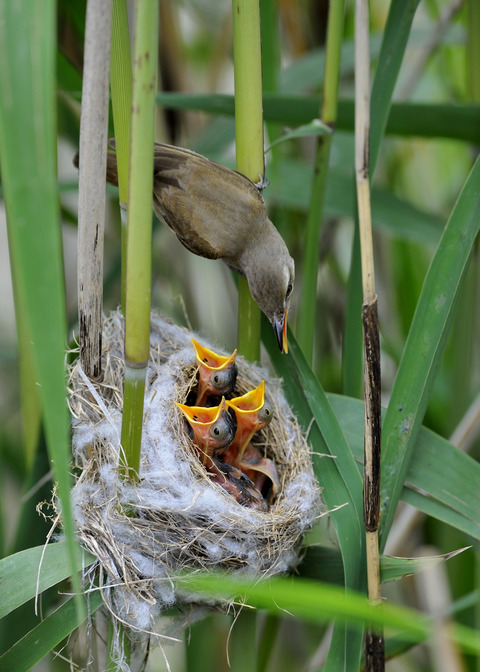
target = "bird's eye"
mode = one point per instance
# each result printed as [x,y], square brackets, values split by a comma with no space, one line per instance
[265,414]
[221,430]
[289,290]
[222,379]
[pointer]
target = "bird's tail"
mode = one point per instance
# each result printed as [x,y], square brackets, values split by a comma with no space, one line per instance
[112,175]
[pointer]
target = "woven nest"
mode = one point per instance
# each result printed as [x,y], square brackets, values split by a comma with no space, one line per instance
[175,517]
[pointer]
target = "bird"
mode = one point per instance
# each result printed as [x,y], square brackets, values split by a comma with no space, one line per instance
[252,414]
[219,213]
[216,373]
[235,482]
[258,468]
[213,429]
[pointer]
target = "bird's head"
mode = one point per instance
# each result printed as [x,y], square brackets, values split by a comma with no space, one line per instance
[216,373]
[213,428]
[271,280]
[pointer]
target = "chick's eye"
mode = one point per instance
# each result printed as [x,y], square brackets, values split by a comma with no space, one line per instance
[216,431]
[265,414]
[221,379]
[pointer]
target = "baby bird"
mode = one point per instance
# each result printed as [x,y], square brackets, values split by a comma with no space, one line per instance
[218,213]
[235,482]
[258,468]
[213,429]
[216,374]
[252,415]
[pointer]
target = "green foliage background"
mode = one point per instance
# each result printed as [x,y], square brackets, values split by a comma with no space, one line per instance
[426,213]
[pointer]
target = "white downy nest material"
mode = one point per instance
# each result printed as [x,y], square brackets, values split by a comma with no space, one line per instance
[175,517]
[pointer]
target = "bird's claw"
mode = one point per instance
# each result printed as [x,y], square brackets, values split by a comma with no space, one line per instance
[262,183]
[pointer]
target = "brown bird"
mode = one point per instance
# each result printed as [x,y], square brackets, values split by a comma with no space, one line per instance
[218,213]
[216,373]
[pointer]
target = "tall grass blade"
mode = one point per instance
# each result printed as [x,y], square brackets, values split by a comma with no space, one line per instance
[28,162]
[139,239]
[425,345]
[247,60]
[338,475]
[48,634]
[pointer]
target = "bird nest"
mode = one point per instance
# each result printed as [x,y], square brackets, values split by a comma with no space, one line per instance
[175,517]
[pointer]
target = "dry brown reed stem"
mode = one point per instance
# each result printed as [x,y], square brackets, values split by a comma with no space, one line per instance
[374,642]
[91,190]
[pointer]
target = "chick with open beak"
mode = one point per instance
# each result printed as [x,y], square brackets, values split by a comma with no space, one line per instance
[213,429]
[218,213]
[216,373]
[252,414]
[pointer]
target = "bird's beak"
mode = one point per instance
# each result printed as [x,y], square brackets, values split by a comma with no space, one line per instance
[210,359]
[249,403]
[280,329]
[201,417]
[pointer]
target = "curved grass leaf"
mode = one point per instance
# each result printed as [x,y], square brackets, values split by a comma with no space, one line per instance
[338,475]
[427,120]
[37,643]
[441,480]
[425,345]
[324,563]
[395,37]
[320,603]
[313,129]
[20,573]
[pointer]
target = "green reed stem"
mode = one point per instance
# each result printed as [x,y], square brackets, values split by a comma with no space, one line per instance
[139,239]
[247,56]
[121,89]
[328,114]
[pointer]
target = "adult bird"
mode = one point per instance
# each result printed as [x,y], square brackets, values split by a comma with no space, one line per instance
[218,213]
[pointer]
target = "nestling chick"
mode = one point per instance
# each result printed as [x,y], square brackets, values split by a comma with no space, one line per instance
[216,373]
[258,468]
[252,414]
[219,213]
[235,482]
[213,429]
